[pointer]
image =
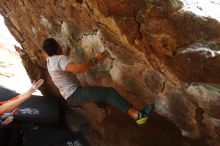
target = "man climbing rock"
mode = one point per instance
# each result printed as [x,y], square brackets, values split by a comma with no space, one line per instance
[63,73]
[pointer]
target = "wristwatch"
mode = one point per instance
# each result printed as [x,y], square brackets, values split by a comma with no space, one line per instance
[95,60]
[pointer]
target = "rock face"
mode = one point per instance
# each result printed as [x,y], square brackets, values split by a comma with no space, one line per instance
[157,53]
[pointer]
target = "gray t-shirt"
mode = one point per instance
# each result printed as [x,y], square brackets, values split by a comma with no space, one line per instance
[65,81]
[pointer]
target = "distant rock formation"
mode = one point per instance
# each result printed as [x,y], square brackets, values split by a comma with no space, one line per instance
[157,53]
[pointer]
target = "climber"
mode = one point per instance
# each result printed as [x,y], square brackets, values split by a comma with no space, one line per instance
[9,108]
[63,73]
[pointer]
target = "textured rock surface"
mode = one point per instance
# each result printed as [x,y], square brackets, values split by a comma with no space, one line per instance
[156,52]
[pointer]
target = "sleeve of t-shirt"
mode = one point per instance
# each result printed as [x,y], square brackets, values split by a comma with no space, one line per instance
[14,98]
[63,62]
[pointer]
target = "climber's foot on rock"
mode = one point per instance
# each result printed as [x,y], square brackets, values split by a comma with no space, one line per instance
[144,114]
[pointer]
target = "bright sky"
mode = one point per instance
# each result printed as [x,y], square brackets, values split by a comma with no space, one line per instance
[12,73]
[207,8]
[5,34]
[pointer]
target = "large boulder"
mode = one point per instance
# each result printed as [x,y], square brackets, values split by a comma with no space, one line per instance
[156,52]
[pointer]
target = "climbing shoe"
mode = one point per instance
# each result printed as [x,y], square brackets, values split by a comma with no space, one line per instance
[142,118]
[144,114]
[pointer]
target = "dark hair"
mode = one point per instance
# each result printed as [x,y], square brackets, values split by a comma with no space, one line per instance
[51,47]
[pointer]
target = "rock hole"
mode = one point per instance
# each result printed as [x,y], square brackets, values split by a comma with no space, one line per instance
[199,114]
[79,1]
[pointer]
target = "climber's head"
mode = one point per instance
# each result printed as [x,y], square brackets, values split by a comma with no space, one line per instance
[51,47]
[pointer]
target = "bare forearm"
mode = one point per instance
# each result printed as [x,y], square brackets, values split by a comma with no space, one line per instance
[84,66]
[26,95]
[10,106]
[80,68]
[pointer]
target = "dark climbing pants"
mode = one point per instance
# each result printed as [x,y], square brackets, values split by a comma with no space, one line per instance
[98,95]
[11,135]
